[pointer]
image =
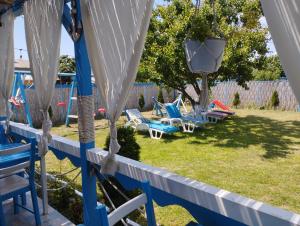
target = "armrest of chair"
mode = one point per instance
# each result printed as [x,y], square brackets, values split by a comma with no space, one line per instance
[126,209]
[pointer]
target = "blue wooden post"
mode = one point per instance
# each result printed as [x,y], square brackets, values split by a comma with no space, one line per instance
[149,205]
[86,136]
[102,215]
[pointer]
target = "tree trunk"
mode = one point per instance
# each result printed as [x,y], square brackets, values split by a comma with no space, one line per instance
[202,104]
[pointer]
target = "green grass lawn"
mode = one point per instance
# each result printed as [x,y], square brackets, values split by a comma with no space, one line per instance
[255,154]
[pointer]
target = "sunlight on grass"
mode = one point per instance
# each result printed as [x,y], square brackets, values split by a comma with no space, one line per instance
[256,154]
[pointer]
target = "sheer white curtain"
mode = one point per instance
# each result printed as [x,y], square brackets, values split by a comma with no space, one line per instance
[283,18]
[115,33]
[6,62]
[43,34]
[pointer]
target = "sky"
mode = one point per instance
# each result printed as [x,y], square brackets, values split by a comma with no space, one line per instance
[67,47]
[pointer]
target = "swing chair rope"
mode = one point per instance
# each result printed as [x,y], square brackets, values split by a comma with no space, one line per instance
[111,202]
[123,195]
[65,184]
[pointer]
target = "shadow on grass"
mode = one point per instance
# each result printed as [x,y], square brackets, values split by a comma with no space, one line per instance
[274,136]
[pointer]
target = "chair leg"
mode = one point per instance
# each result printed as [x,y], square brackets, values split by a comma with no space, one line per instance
[35,206]
[24,200]
[16,203]
[2,220]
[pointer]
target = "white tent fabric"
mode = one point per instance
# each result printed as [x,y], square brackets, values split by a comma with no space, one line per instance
[6,62]
[115,32]
[283,18]
[43,34]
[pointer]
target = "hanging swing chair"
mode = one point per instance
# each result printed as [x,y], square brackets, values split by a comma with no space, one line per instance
[205,57]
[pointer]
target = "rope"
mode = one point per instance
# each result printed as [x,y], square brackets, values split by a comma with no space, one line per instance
[65,183]
[124,196]
[85,118]
[46,136]
[111,202]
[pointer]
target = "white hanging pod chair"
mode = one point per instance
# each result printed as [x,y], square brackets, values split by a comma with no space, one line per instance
[204,57]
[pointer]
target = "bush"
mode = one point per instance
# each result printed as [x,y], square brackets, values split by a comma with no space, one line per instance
[236,101]
[129,147]
[160,96]
[275,99]
[64,199]
[141,102]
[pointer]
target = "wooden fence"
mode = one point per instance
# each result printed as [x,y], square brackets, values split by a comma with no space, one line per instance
[61,94]
[258,95]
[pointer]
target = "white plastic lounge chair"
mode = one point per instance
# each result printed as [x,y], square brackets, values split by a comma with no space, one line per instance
[156,129]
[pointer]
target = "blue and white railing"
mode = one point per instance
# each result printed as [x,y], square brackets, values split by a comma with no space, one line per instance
[207,204]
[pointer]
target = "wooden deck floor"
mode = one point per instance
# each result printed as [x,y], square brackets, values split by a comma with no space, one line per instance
[24,218]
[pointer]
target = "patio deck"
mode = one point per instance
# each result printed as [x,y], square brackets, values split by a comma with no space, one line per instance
[25,218]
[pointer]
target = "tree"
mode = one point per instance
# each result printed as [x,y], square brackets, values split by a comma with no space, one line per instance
[66,65]
[164,59]
[275,99]
[141,102]
[236,100]
[160,97]
[271,69]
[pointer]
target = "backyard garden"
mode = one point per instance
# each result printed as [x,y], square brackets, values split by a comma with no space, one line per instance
[255,153]
[194,91]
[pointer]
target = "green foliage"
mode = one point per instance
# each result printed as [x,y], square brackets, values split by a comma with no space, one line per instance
[65,200]
[67,64]
[130,149]
[50,112]
[275,99]
[164,61]
[141,102]
[271,69]
[129,146]
[160,96]
[236,101]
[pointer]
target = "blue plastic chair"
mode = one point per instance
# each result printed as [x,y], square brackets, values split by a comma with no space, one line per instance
[14,158]
[188,123]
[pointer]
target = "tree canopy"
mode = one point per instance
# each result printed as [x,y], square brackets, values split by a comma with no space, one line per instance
[271,70]
[67,64]
[164,60]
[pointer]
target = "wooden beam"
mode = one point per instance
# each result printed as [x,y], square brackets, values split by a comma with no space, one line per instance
[9,2]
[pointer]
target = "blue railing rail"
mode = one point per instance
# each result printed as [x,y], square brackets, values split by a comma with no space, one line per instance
[207,204]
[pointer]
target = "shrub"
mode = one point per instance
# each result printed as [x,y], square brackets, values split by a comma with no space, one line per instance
[275,99]
[50,112]
[160,96]
[129,147]
[65,200]
[141,102]
[236,100]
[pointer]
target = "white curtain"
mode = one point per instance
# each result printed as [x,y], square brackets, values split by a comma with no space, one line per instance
[283,18]
[115,33]
[43,33]
[6,62]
